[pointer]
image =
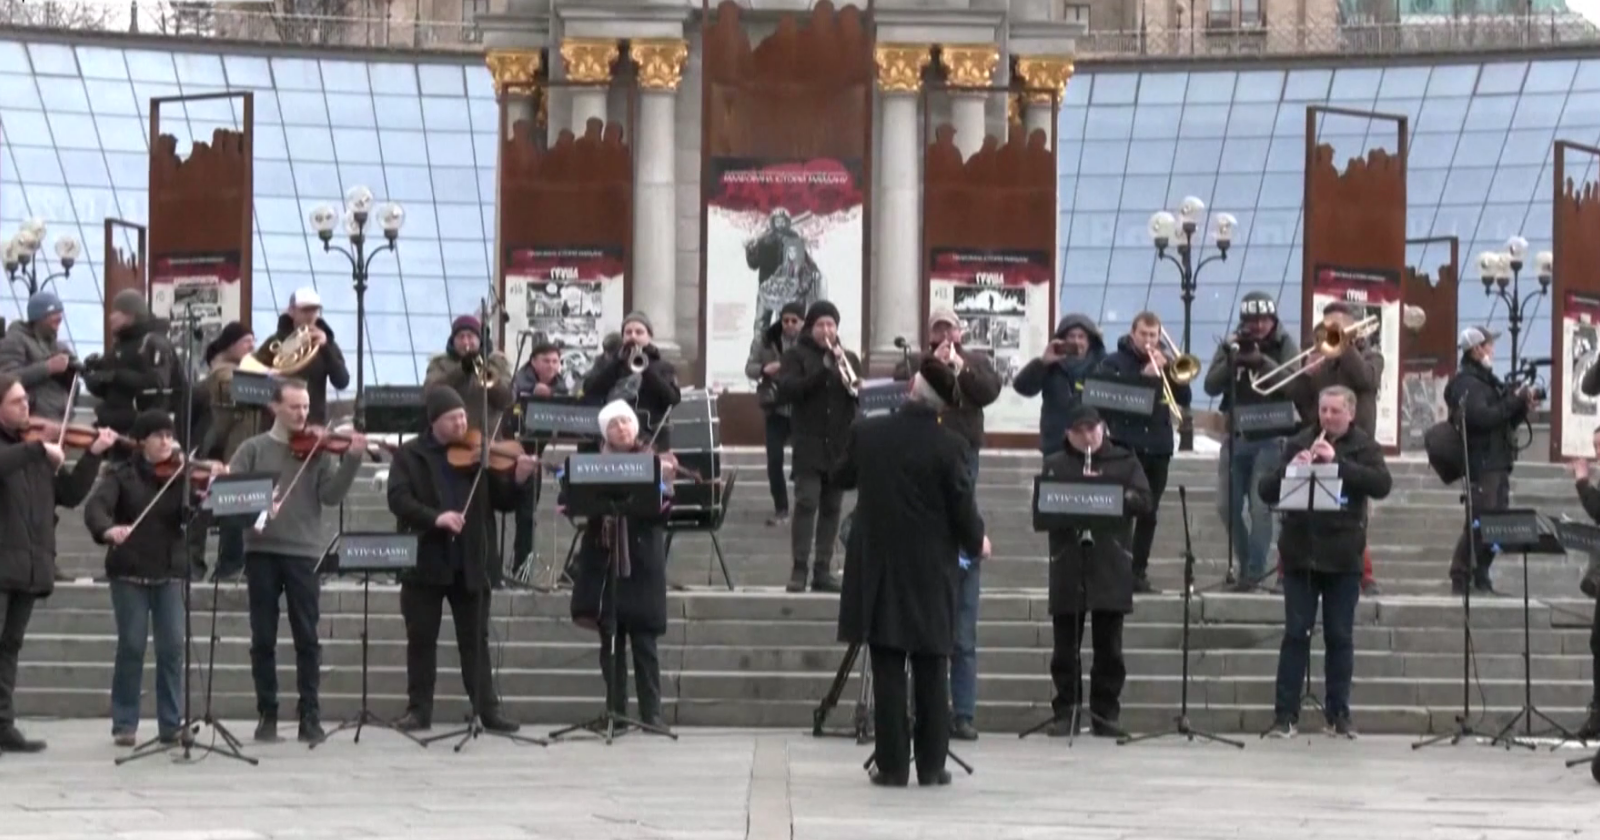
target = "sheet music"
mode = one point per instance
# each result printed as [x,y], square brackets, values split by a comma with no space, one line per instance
[1312,487]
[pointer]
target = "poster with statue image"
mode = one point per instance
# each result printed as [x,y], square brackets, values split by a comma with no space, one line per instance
[1004,300]
[1580,347]
[778,232]
[1370,293]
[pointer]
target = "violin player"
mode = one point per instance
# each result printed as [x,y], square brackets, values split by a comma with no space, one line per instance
[283,550]
[136,512]
[439,490]
[32,485]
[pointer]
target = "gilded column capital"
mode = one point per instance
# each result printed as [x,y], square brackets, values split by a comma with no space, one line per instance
[900,66]
[513,68]
[660,61]
[1045,71]
[589,60]
[969,65]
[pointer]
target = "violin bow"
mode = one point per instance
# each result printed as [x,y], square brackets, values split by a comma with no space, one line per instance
[278,496]
[483,460]
[66,416]
[183,468]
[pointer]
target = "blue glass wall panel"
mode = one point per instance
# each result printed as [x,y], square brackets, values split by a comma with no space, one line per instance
[1480,169]
[421,134]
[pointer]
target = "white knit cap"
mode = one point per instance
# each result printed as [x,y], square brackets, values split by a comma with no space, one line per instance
[305,297]
[614,410]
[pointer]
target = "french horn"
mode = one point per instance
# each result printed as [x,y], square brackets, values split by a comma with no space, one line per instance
[289,355]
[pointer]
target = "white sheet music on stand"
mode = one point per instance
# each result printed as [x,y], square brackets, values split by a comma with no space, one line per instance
[1311,487]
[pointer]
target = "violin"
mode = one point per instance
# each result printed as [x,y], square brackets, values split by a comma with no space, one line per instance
[312,439]
[466,453]
[200,472]
[41,430]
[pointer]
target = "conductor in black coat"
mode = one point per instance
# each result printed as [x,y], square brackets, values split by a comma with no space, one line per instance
[916,514]
[455,545]
[1092,575]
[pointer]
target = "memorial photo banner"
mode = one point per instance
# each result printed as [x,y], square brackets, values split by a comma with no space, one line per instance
[1580,346]
[567,297]
[778,232]
[1004,301]
[1370,292]
[206,287]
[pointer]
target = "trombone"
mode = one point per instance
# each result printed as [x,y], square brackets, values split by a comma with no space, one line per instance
[1181,369]
[1328,340]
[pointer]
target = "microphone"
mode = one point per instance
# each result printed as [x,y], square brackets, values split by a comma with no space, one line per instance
[900,343]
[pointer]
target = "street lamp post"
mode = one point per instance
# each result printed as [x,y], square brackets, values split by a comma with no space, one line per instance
[22,251]
[358,210]
[1164,229]
[1501,273]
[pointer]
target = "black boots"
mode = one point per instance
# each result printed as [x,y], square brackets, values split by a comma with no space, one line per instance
[821,579]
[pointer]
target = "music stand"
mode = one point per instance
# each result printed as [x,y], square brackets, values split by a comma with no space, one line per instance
[615,485]
[1525,532]
[546,421]
[368,554]
[1077,506]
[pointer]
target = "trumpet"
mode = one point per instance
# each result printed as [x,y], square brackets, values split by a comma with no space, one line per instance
[1088,462]
[847,371]
[1328,340]
[1181,369]
[636,358]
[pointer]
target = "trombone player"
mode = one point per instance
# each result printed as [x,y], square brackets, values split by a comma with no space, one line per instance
[1147,356]
[303,334]
[473,374]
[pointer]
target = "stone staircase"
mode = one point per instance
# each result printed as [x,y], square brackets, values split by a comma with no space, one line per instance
[761,657]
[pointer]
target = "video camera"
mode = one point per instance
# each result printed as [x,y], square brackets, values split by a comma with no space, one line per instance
[1527,376]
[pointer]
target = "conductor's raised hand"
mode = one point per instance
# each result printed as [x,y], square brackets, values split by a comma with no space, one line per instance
[1580,469]
[451,521]
[987,548]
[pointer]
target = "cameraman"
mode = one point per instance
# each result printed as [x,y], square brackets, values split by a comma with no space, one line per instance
[136,373]
[1490,410]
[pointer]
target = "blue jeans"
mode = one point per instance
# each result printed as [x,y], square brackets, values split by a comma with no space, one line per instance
[139,608]
[1248,462]
[1339,594]
[964,664]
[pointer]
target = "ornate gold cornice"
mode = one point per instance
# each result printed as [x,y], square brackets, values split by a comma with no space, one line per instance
[660,61]
[513,67]
[969,65]
[900,66]
[1045,71]
[589,60]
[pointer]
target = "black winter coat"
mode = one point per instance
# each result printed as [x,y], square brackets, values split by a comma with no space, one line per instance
[917,512]
[823,409]
[1492,412]
[641,597]
[1334,541]
[135,374]
[1147,433]
[1105,578]
[1279,348]
[1360,371]
[153,551]
[30,490]
[977,387]
[656,392]
[414,499]
[1060,384]
[328,368]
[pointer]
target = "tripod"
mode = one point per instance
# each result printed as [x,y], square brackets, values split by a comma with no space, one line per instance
[606,723]
[861,721]
[1528,711]
[190,727]
[365,717]
[1463,728]
[911,727]
[1180,725]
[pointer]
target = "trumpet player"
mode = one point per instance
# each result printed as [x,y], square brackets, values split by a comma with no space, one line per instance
[1357,367]
[976,387]
[1141,358]
[815,379]
[637,375]
[482,378]
[1075,350]
[1260,344]
[328,367]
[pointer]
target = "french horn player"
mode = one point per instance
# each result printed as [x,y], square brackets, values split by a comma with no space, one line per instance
[1147,357]
[304,347]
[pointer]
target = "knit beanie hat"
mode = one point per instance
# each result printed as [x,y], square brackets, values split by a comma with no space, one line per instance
[149,422]
[640,318]
[130,302]
[441,400]
[42,305]
[821,309]
[466,323]
[230,335]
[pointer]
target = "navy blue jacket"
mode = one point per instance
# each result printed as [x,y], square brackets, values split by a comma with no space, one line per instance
[1060,384]
[1149,434]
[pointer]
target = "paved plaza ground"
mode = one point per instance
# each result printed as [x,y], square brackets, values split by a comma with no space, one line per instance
[765,785]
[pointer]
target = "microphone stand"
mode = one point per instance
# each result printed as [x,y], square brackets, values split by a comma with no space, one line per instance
[1180,725]
[231,747]
[1463,727]
[1231,355]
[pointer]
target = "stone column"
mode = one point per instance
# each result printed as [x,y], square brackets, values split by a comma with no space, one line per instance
[1048,72]
[895,299]
[588,62]
[969,66]
[655,186]
[515,73]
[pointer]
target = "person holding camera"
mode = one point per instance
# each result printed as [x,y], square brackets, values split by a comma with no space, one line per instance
[34,353]
[458,367]
[637,375]
[136,373]
[1489,409]
[1075,349]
